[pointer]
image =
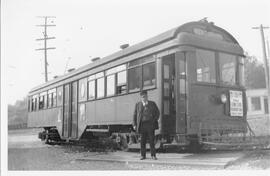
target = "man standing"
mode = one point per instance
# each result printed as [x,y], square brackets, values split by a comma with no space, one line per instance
[145,118]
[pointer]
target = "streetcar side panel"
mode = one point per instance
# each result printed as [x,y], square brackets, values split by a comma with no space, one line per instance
[43,118]
[115,110]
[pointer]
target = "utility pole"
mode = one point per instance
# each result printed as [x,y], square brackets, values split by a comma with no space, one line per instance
[45,25]
[261,27]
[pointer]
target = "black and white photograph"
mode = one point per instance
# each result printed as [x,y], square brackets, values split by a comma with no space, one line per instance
[98,87]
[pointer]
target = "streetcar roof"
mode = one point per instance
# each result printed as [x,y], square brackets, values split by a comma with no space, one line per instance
[168,35]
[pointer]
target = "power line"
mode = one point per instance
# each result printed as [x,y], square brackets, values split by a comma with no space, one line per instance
[45,25]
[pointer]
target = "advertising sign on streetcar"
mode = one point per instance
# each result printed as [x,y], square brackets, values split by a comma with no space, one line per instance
[236,103]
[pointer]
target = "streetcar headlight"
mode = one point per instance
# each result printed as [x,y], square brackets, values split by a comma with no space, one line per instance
[223,98]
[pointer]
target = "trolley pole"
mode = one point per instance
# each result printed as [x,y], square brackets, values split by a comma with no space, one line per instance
[261,27]
[45,25]
[268,52]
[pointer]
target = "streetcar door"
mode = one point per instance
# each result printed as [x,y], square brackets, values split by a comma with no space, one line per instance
[168,98]
[70,115]
[66,114]
[181,93]
[74,110]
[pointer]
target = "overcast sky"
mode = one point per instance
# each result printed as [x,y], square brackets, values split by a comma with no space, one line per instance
[87,29]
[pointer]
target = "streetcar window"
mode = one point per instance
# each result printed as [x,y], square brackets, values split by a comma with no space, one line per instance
[100,87]
[110,86]
[149,76]
[41,102]
[121,86]
[28,105]
[99,75]
[60,96]
[182,77]
[255,103]
[116,69]
[135,62]
[82,90]
[111,71]
[36,103]
[227,67]
[241,71]
[45,101]
[148,59]
[91,90]
[120,72]
[91,77]
[206,71]
[141,61]
[49,100]
[121,67]
[111,75]
[141,74]
[134,79]
[33,104]
[54,99]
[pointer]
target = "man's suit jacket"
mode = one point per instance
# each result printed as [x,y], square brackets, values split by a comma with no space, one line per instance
[137,116]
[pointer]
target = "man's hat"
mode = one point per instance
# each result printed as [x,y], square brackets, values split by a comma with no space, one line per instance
[144,92]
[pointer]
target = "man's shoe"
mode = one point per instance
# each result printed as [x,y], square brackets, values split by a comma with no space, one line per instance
[154,157]
[142,158]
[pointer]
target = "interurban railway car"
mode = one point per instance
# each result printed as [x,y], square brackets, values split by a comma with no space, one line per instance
[193,72]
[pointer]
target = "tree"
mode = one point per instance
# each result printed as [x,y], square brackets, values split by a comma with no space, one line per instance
[254,73]
[17,113]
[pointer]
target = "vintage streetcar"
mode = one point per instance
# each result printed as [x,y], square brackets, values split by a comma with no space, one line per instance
[193,72]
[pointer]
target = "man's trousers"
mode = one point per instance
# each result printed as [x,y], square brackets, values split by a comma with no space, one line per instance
[147,131]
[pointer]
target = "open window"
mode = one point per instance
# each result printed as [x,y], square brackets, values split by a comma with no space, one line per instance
[121,86]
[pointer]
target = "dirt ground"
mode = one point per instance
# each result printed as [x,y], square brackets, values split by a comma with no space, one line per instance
[27,152]
[257,159]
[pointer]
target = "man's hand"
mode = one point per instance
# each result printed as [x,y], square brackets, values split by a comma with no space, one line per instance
[134,127]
